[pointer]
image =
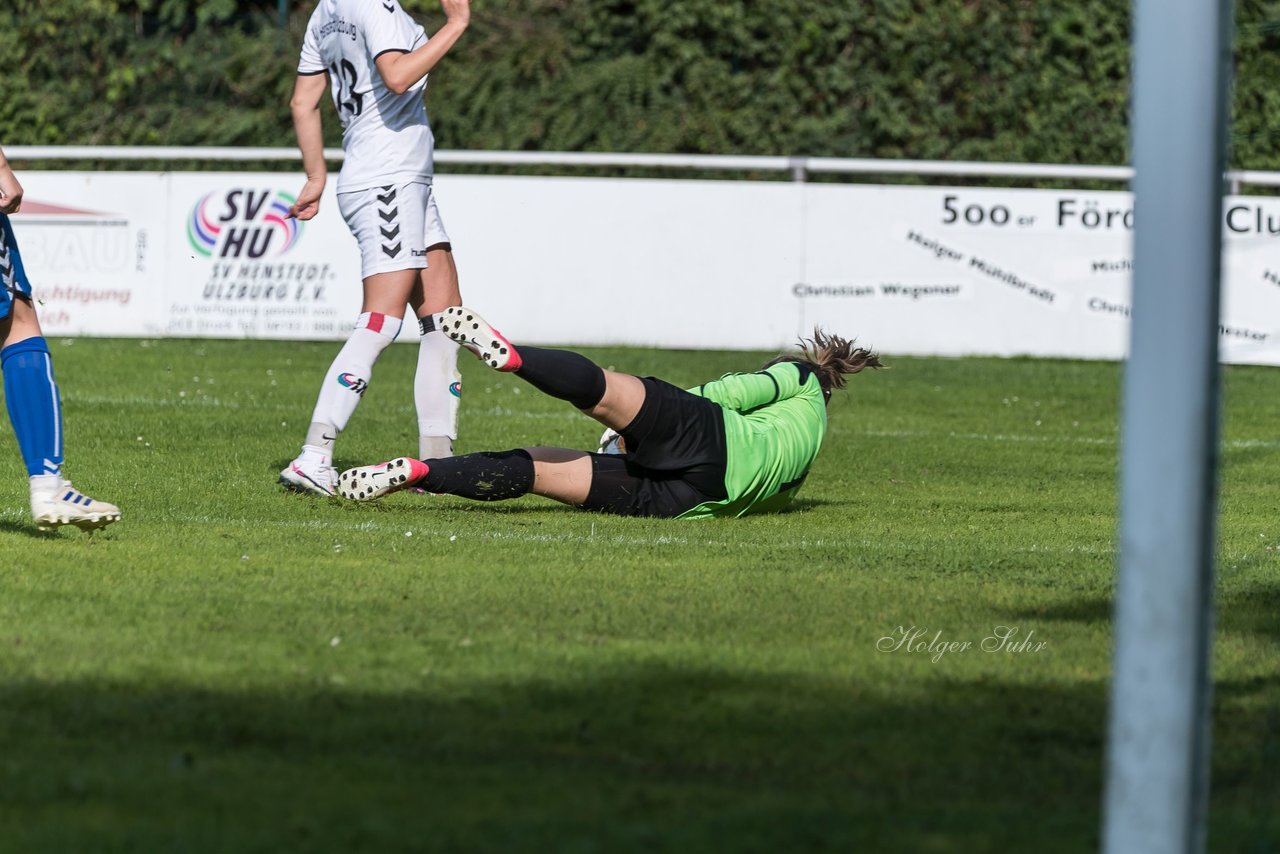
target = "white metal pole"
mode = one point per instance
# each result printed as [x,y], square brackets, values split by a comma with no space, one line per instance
[1158,745]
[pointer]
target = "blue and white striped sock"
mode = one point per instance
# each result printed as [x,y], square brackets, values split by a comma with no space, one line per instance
[35,408]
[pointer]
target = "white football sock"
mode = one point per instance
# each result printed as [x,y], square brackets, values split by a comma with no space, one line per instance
[349,374]
[434,447]
[437,390]
[322,436]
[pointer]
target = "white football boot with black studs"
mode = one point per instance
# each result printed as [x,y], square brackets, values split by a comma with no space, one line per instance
[471,331]
[368,482]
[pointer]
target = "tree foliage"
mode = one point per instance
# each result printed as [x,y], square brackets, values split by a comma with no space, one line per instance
[1008,80]
[151,72]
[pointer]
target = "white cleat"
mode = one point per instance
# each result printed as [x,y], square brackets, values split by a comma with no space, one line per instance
[471,331]
[369,482]
[66,505]
[308,476]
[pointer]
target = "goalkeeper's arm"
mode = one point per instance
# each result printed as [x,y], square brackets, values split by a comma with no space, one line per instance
[745,392]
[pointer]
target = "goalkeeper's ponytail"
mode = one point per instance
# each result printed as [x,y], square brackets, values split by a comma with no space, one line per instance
[834,357]
[831,358]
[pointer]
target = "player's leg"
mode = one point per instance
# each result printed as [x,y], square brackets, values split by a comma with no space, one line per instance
[381,220]
[614,399]
[606,484]
[669,432]
[34,404]
[561,474]
[437,385]
[558,473]
[385,297]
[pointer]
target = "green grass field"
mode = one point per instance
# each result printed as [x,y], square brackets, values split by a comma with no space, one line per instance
[234,668]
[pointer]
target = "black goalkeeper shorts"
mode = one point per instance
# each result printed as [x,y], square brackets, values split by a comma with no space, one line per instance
[675,457]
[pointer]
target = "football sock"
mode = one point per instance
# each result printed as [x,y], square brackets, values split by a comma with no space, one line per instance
[563,374]
[349,374]
[35,408]
[320,439]
[434,447]
[437,391]
[487,476]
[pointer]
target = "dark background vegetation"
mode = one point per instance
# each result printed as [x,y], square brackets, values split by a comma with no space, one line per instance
[1007,80]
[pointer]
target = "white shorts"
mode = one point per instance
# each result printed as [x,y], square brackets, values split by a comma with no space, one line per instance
[394,225]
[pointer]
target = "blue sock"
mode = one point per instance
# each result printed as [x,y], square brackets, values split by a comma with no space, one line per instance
[35,408]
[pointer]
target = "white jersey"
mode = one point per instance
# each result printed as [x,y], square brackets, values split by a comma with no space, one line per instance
[386,136]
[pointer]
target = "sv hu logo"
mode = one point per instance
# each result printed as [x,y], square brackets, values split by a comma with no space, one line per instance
[455,389]
[243,223]
[353,382]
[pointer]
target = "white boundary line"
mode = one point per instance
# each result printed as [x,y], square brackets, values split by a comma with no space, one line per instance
[1233,444]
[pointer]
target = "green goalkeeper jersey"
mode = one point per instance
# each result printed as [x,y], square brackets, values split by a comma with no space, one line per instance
[774,421]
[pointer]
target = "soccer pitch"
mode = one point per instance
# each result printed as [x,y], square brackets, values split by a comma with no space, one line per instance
[235,668]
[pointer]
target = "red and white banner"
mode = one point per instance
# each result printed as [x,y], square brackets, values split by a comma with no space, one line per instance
[696,264]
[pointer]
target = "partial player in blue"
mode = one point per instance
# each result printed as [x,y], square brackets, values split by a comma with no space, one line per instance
[30,393]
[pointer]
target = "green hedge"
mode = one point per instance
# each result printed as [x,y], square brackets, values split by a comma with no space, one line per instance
[1005,80]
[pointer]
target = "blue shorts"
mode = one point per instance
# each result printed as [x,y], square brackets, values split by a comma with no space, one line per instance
[13,277]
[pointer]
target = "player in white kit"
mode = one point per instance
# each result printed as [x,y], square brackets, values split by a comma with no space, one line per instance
[375,59]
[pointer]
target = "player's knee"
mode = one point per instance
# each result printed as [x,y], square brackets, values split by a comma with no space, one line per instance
[378,328]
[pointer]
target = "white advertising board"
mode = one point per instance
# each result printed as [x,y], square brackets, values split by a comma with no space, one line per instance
[93,257]
[240,267]
[690,264]
[696,264]
[1014,272]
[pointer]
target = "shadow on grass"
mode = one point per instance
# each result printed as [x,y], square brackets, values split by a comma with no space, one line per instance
[1253,611]
[26,528]
[542,505]
[646,759]
[1083,610]
[812,503]
[29,529]
[1246,719]
[643,760]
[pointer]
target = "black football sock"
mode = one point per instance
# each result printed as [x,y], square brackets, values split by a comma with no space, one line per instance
[563,374]
[486,476]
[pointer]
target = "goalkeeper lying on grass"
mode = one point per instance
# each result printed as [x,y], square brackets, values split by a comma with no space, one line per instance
[740,444]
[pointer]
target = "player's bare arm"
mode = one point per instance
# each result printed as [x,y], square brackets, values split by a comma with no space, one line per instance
[308,91]
[10,189]
[400,71]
